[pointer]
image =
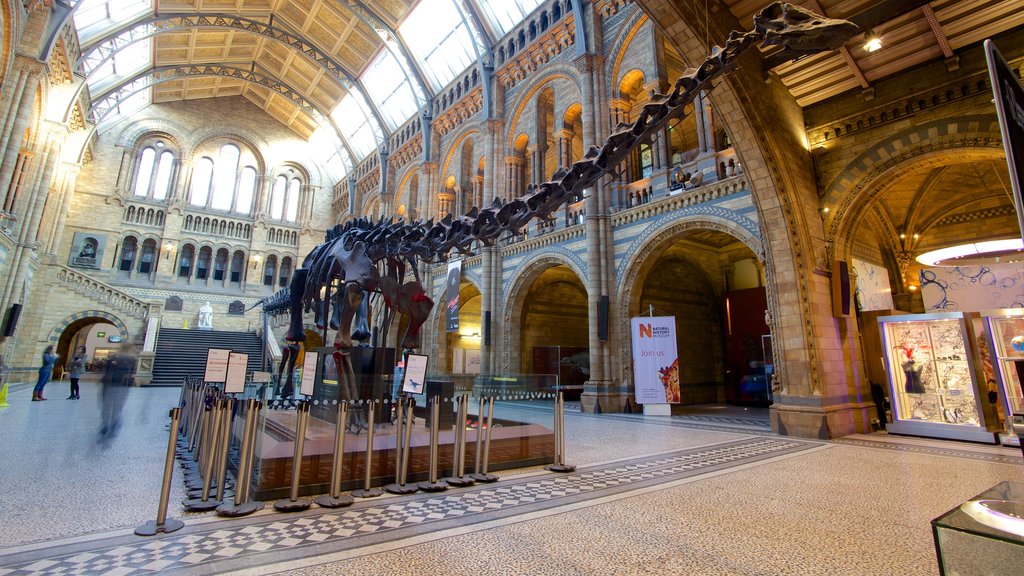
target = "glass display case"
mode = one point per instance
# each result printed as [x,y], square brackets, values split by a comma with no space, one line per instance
[984,535]
[1003,363]
[930,362]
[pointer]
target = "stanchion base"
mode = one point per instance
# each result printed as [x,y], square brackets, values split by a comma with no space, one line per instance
[367,493]
[200,505]
[340,501]
[438,486]
[459,481]
[151,528]
[561,468]
[482,477]
[243,509]
[292,505]
[402,488]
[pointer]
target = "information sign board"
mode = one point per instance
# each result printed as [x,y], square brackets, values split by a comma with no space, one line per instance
[308,373]
[234,383]
[216,364]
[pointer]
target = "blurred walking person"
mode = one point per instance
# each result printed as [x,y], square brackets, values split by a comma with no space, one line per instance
[117,377]
[45,371]
[75,370]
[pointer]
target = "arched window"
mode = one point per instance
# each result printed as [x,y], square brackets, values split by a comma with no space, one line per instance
[201,179]
[237,265]
[154,168]
[185,261]
[285,197]
[246,191]
[220,264]
[128,249]
[225,179]
[277,197]
[145,174]
[292,213]
[286,271]
[269,271]
[203,263]
[148,257]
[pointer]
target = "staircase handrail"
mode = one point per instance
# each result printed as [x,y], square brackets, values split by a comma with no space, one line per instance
[101,292]
[271,347]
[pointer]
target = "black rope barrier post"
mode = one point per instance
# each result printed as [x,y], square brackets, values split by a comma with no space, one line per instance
[368,491]
[403,436]
[459,478]
[481,475]
[433,484]
[560,465]
[162,522]
[294,503]
[334,498]
[242,506]
[221,466]
[210,446]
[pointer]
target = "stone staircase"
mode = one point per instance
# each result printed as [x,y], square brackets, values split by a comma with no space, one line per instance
[181,353]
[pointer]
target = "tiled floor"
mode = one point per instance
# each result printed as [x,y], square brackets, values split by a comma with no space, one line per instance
[651,496]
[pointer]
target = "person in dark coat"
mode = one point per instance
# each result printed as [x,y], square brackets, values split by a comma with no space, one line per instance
[117,377]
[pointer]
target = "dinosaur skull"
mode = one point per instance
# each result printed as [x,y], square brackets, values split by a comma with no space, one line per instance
[799,30]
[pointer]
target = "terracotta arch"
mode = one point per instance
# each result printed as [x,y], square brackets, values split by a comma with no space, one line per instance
[642,256]
[515,297]
[930,144]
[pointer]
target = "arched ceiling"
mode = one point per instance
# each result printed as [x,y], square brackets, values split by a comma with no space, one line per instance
[936,207]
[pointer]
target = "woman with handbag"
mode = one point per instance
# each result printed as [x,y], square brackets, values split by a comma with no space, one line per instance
[45,371]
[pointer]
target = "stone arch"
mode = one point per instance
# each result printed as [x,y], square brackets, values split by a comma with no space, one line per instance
[514,298]
[642,255]
[621,43]
[765,124]
[135,131]
[930,143]
[87,317]
[9,22]
[456,147]
[555,72]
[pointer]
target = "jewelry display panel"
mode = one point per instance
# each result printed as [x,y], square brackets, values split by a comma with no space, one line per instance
[1005,349]
[931,377]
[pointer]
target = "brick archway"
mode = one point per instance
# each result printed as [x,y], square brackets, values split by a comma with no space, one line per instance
[930,144]
[78,317]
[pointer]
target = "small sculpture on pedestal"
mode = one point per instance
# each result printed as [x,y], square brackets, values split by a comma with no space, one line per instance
[206,317]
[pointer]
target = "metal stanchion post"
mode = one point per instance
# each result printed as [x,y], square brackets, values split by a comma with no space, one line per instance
[403,435]
[294,503]
[560,465]
[241,505]
[210,446]
[433,484]
[482,475]
[367,491]
[459,477]
[197,418]
[334,498]
[224,448]
[162,522]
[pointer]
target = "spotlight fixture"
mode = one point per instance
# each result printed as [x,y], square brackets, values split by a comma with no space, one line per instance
[872,41]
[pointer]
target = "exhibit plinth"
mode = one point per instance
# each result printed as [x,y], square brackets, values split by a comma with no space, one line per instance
[984,535]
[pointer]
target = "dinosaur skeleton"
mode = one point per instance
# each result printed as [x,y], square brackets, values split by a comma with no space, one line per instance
[364,257]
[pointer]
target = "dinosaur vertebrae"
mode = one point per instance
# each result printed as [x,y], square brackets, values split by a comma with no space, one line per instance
[796,30]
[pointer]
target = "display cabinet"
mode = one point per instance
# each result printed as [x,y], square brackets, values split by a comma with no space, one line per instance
[984,535]
[1003,362]
[930,363]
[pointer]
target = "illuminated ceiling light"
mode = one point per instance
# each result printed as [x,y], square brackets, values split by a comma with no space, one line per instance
[872,42]
[956,255]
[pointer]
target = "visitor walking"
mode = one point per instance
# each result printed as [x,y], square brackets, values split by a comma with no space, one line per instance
[75,371]
[45,371]
[117,377]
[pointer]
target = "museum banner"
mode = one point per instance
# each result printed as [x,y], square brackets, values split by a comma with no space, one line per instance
[655,360]
[1009,101]
[451,296]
